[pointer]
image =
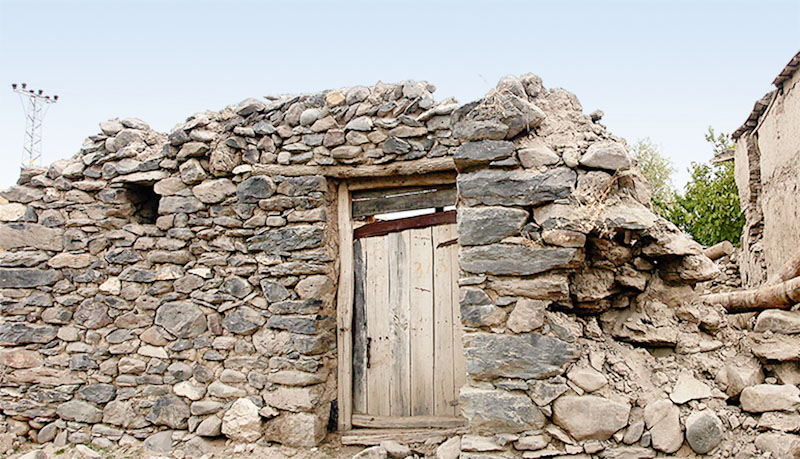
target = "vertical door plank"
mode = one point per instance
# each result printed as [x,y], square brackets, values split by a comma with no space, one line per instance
[379,358]
[459,359]
[443,323]
[359,332]
[398,308]
[344,307]
[421,296]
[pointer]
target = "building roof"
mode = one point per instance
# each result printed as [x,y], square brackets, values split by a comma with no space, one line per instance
[762,104]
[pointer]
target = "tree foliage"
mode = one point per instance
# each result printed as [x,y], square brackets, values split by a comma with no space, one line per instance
[658,171]
[708,208]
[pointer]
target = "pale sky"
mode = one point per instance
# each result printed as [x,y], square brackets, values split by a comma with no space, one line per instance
[660,69]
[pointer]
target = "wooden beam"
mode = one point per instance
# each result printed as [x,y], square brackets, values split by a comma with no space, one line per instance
[407,422]
[401,224]
[416,198]
[395,181]
[779,296]
[344,309]
[719,250]
[418,167]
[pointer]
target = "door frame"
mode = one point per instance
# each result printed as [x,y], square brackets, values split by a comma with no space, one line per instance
[346,294]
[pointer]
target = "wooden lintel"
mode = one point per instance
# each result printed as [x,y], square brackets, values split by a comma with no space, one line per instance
[401,224]
[374,183]
[400,168]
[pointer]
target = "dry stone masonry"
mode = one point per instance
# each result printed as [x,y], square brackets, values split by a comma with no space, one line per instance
[169,288]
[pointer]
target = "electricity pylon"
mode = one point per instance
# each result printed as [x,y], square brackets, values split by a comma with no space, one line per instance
[35,104]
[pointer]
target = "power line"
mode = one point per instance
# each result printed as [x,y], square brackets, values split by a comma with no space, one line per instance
[35,104]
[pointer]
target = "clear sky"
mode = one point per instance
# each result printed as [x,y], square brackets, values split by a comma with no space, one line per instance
[660,69]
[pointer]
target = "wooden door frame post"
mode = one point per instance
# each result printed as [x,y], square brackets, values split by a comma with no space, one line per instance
[344,309]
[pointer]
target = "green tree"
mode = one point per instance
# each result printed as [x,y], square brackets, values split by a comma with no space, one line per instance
[658,171]
[708,208]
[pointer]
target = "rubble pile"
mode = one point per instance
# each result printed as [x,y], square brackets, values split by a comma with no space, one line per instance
[168,288]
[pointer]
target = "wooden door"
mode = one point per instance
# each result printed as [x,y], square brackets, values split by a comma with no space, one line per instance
[408,360]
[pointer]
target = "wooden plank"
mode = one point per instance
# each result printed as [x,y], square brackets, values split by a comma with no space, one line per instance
[398,309]
[443,387]
[416,167]
[459,358]
[370,437]
[407,422]
[393,181]
[422,200]
[379,350]
[359,332]
[421,296]
[344,308]
[401,224]
[364,195]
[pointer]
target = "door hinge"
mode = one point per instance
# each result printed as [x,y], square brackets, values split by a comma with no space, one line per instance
[369,351]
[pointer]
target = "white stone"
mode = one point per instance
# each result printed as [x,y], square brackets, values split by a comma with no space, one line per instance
[770,397]
[111,286]
[662,418]
[450,449]
[688,388]
[12,212]
[241,422]
[587,379]
[189,390]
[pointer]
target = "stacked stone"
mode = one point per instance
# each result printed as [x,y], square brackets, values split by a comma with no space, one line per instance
[559,251]
[160,282]
[172,287]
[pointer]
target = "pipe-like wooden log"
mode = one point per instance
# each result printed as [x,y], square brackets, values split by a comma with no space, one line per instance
[719,250]
[789,270]
[779,296]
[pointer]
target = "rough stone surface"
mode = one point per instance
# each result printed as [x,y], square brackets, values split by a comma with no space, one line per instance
[528,356]
[663,422]
[770,397]
[486,225]
[241,422]
[519,260]
[499,411]
[589,416]
[516,188]
[703,431]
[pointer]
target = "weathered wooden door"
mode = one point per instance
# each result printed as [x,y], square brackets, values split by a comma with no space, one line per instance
[408,359]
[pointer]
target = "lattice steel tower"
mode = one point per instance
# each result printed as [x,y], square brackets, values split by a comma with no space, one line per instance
[35,104]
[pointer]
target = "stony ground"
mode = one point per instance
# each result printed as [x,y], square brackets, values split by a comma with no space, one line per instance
[220,448]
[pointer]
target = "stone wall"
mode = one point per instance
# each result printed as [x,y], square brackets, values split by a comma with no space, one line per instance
[153,280]
[169,288]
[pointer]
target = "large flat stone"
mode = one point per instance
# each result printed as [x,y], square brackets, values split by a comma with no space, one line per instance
[527,356]
[589,416]
[516,260]
[287,239]
[15,235]
[13,334]
[27,277]
[486,225]
[497,411]
[515,188]
[481,153]
[770,397]
[776,321]
[181,318]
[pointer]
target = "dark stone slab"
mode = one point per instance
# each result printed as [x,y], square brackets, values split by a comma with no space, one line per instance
[516,260]
[27,277]
[526,356]
[515,188]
